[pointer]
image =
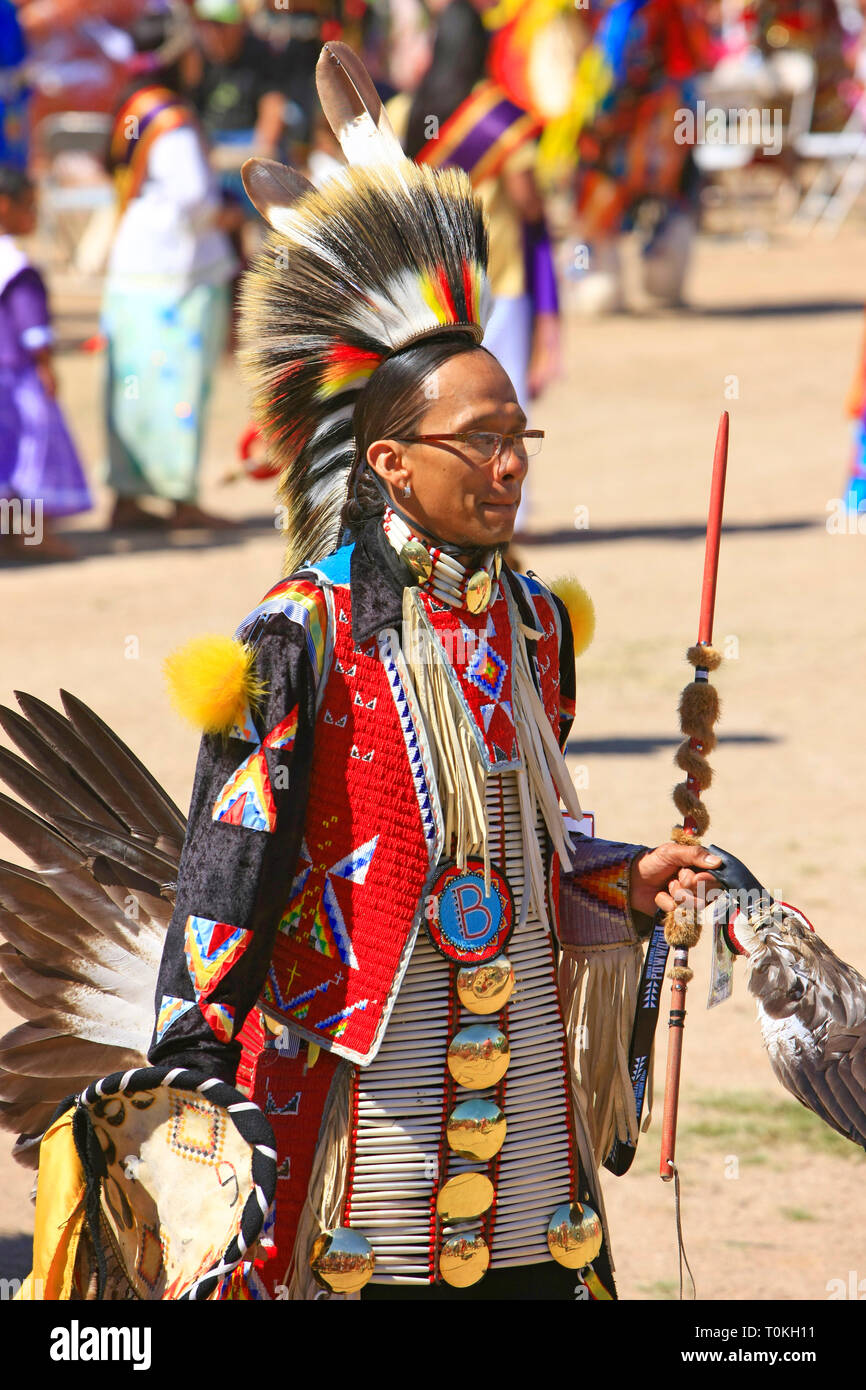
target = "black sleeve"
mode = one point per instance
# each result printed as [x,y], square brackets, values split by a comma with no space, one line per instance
[567,677]
[235,880]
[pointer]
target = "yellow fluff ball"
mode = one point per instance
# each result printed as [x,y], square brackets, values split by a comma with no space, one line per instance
[581,611]
[211,681]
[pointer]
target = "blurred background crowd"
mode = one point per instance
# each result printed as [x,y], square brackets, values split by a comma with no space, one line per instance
[584,124]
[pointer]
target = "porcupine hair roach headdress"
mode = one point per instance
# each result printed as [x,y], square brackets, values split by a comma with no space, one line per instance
[386,253]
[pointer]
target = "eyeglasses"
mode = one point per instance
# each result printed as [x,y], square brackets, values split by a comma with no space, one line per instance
[482,446]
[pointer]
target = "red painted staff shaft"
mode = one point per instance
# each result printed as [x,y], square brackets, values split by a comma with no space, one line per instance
[714,532]
[677,1016]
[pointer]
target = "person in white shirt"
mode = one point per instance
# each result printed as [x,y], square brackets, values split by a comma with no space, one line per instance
[166,304]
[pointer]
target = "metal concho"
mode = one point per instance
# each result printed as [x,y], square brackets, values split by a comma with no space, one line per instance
[476,1129]
[478,1056]
[342,1260]
[574,1235]
[463,1260]
[487,988]
[417,558]
[464,1197]
[466,922]
[478,591]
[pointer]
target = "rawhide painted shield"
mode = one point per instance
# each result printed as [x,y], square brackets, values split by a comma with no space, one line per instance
[189,1175]
[468,923]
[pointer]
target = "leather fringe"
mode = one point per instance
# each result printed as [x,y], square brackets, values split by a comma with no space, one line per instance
[598,990]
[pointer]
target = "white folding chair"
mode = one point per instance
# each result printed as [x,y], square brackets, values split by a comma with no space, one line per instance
[75,213]
[840,178]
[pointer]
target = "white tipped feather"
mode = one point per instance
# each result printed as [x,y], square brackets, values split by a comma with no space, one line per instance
[272,188]
[354,109]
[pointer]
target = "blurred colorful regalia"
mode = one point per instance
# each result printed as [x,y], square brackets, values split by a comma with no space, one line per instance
[480,135]
[149,113]
[14,93]
[855,491]
[651,51]
[814,27]
[607,86]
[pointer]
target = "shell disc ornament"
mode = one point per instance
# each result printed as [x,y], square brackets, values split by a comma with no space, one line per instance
[574,1235]
[342,1261]
[466,922]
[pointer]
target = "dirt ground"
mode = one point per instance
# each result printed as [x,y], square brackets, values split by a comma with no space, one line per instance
[773,1203]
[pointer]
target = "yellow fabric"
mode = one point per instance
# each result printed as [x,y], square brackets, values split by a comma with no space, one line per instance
[595,1286]
[505,271]
[59,1215]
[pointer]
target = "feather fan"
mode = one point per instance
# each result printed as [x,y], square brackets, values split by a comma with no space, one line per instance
[84,930]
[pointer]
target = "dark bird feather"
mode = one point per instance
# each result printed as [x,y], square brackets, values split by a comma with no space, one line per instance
[154,801]
[46,760]
[83,929]
[84,760]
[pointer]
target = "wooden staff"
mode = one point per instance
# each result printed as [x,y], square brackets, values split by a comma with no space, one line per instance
[699,710]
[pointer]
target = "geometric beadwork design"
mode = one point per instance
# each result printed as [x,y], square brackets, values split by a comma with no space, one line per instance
[244,728]
[283,736]
[292,912]
[547,621]
[608,884]
[211,949]
[148,1265]
[170,1009]
[197,1130]
[422,772]
[371,828]
[487,671]
[220,1017]
[594,898]
[476,650]
[319,919]
[247,799]
[302,602]
[336,1025]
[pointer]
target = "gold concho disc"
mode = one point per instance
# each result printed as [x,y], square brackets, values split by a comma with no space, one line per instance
[418,559]
[478,1056]
[478,591]
[463,1260]
[486,988]
[476,1129]
[464,1197]
[342,1260]
[574,1235]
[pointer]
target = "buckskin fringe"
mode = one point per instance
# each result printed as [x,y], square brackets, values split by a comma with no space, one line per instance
[598,988]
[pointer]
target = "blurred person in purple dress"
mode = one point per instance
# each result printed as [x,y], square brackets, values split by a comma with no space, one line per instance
[41,477]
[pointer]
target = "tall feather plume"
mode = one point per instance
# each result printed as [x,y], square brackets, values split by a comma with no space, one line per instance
[378,258]
[385,253]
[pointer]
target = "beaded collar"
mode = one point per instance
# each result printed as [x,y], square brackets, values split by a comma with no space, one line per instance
[441,574]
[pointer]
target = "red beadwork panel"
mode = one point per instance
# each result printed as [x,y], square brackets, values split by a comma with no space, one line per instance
[364,859]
